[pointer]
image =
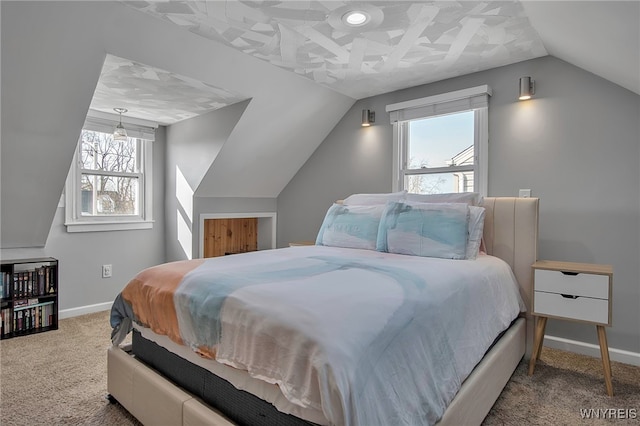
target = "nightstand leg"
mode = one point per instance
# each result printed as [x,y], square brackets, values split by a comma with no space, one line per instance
[543,327]
[541,324]
[606,363]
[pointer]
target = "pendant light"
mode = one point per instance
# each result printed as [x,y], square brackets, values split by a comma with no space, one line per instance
[119,133]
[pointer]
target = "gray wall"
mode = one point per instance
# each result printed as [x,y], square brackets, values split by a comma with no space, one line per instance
[351,159]
[82,254]
[192,145]
[576,145]
[48,78]
[53,51]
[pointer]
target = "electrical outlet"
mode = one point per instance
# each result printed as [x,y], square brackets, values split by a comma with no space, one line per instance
[525,193]
[106,271]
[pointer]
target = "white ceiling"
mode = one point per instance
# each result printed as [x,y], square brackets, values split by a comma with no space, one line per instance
[407,43]
[153,94]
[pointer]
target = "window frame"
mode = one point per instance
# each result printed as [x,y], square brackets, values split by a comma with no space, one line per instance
[76,222]
[436,106]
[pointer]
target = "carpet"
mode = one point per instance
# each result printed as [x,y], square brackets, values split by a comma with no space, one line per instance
[60,378]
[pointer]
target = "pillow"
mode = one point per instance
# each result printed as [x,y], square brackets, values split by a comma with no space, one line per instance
[476,228]
[424,229]
[350,226]
[373,199]
[470,198]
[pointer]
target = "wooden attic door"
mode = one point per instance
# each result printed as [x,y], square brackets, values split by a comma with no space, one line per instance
[230,236]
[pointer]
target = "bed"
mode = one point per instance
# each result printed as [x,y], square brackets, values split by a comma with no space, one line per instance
[257,357]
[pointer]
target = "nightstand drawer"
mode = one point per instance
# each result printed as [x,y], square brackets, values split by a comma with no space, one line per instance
[581,284]
[581,308]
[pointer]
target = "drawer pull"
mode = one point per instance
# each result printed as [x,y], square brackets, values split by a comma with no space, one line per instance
[569,296]
[573,274]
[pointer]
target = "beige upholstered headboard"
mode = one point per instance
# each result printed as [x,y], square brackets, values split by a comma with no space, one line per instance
[511,233]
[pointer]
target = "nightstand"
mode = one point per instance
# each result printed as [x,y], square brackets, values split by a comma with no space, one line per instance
[302,243]
[574,292]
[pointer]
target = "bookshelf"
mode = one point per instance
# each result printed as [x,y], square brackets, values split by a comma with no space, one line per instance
[29,290]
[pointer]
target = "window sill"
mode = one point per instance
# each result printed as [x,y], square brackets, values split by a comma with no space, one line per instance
[108,226]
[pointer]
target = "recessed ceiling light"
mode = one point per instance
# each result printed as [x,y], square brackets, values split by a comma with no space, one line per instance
[355,18]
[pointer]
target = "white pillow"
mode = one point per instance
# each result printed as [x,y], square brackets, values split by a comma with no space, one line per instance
[425,229]
[350,226]
[476,228]
[373,199]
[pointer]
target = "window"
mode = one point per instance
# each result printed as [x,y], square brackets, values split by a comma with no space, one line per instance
[109,184]
[440,142]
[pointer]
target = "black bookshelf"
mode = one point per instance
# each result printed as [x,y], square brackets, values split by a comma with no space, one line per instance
[29,296]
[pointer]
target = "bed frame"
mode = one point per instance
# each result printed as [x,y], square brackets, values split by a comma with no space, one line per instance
[510,233]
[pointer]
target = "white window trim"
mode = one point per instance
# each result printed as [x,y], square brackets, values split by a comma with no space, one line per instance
[481,130]
[75,223]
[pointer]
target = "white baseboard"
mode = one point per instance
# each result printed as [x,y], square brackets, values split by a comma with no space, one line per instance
[83,310]
[589,349]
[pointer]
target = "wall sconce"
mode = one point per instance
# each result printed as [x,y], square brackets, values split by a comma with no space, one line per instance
[527,88]
[368,117]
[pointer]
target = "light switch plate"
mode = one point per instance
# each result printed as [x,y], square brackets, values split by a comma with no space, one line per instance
[106,271]
[525,193]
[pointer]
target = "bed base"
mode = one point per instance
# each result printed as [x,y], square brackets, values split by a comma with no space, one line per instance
[152,399]
[239,406]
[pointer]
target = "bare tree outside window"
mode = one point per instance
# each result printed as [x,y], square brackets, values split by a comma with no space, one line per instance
[110,175]
[427,184]
[424,184]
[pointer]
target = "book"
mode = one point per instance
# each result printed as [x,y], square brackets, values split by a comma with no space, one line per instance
[28,283]
[41,280]
[50,280]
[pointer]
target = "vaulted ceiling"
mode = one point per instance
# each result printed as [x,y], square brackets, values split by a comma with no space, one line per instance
[186,58]
[153,94]
[404,44]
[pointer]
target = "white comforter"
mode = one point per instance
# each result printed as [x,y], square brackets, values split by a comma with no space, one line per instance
[368,338]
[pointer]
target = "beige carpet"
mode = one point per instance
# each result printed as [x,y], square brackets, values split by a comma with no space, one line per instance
[59,378]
